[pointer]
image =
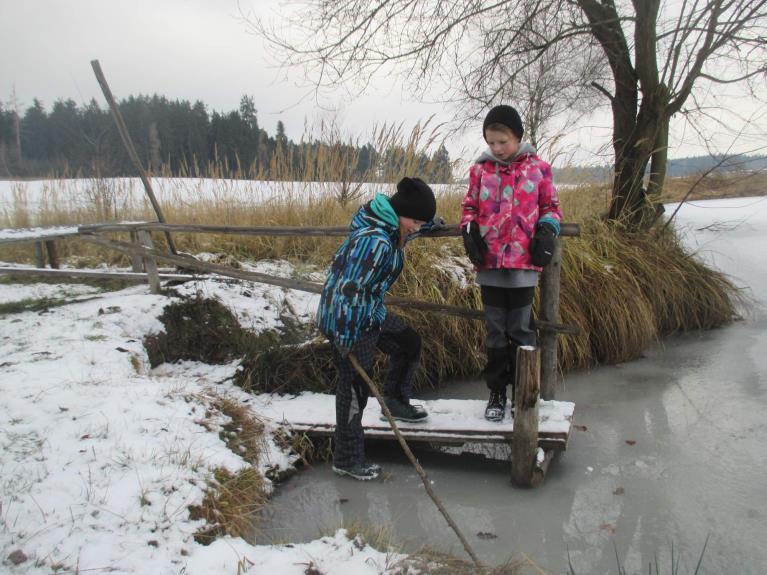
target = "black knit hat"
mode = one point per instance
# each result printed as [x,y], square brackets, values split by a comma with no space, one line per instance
[506,116]
[414,199]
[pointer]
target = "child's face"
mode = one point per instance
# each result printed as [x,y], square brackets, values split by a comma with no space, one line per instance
[409,225]
[503,145]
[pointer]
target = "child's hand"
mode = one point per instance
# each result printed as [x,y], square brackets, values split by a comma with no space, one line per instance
[542,245]
[474,243]
[437,223]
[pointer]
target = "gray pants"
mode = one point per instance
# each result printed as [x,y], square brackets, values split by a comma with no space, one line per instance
[403,346]
[508,315]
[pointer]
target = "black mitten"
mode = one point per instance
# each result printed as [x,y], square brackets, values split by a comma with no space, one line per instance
[474,243]
[542,245]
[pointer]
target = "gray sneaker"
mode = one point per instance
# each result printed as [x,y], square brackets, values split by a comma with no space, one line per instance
[374,467]
[361,471]
[404,411]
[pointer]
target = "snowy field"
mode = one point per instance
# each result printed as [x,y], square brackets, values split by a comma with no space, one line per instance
[101,456]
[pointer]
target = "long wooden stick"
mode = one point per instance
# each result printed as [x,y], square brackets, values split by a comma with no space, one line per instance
[450,230]
[421,473]
[122,276]
[125,136]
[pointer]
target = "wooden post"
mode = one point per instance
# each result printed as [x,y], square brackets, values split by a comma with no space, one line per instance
[39,256]
[549,312]
[524,445]
[149,263]
[136,263]
[125,136]
[53,255]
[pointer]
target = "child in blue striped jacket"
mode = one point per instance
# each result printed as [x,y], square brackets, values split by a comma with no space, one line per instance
[352,315]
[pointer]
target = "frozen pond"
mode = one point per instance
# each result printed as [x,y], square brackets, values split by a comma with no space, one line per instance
[669,450]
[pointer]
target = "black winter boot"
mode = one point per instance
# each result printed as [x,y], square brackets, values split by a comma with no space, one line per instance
[496,406]
[497,377]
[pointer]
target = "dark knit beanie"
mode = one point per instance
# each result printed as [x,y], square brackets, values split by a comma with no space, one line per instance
[506,116]
[414,199]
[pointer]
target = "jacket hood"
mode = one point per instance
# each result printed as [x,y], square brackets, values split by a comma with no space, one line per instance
[376,213]
[487,155]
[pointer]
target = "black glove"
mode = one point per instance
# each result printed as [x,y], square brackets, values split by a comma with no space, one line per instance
[542,245]
[474,243]
[437,223]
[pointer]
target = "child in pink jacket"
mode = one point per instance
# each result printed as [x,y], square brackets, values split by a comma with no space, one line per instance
[509,224]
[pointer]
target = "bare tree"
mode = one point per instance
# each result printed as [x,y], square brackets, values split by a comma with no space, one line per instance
[662,59]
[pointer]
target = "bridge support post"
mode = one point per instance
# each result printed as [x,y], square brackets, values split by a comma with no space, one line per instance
[149,263]
[53,254]
[524,446]
[549,312]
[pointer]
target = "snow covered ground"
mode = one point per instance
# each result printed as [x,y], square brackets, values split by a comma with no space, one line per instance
[101,456]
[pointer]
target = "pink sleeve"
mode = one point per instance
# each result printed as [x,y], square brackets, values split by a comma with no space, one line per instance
[548,200]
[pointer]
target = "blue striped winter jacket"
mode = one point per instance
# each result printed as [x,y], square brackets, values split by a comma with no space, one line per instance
[364,267]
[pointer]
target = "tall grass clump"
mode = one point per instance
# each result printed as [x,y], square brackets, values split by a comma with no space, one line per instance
[625,290]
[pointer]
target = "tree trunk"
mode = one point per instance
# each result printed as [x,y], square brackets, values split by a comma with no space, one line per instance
[659,161]
[630,200]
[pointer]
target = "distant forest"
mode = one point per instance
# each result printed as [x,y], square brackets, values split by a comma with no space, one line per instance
[178,138]
[678,167]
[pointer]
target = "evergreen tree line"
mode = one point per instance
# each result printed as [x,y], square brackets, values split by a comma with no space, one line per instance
[178,138]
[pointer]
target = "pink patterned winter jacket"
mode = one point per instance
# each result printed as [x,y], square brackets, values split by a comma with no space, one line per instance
[508,201]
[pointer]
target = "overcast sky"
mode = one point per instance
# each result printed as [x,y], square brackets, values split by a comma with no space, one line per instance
[198,50]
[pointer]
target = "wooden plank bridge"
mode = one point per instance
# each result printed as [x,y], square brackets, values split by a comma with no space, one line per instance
[450,421]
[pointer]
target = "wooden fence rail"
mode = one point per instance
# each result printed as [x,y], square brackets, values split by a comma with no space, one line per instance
[450,230]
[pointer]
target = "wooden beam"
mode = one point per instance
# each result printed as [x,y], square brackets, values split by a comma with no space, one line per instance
[126,139]
[524,448]
[37,238]
[542,465]
[549,312]
[450,230]
[295,231]
[90,274]
[136,261]
[150,265]
[549,442]
[53,254]
[39,255]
